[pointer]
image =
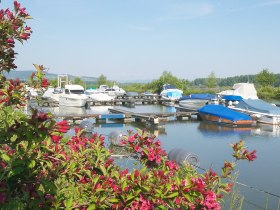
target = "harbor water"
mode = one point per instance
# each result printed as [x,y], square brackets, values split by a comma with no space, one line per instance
[258,181]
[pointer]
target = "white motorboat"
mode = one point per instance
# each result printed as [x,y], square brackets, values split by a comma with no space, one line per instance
[73,96]
[114,91]
[52,94]
[170,92]
[98,96]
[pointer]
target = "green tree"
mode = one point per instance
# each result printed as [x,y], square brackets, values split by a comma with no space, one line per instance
[211,80]
[165,78]
[101,80]
[53,82]
[265,78]
[78,81]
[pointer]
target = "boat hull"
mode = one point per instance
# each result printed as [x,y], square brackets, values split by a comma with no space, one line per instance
[72,102]
[220,120]
[223,115]
[262,111]
[193,103]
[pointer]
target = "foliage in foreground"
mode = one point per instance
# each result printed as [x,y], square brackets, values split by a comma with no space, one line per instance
[40,167]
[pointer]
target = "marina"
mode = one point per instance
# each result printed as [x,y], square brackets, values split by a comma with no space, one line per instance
[209,141]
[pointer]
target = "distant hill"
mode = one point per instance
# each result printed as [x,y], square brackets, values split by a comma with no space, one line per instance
[24,76]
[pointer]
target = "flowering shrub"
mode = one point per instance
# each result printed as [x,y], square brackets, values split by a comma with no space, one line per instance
[40,167]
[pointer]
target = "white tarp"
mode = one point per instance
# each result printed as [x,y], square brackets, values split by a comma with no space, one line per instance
[245,90]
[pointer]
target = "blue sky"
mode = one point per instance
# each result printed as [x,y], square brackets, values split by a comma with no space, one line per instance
[139,39]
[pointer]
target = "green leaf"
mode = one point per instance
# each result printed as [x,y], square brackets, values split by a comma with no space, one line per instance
[103,169]
[15,171]
[130,197]
[146,188]
[124,185]
[68,203]
[172,195]
[91,207]
[5,157]
[188,197]
[31,164]
[14,137]
[113,200]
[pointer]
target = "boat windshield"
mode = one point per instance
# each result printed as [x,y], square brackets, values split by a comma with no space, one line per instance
[77,91]
[169,87]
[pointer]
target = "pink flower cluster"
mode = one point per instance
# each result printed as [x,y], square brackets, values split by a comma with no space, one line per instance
[146,146]
[11,92]
[240,153]
[12,28]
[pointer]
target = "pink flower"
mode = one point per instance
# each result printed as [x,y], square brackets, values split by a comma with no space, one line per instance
[131,139]
[137,148]
[151,156]
[62,126]
[210,201]
[56,139]
[45,82]
[178,200]
[16,5]
[251,156]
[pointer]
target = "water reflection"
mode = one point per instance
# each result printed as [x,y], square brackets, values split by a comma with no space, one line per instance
[211,129]
[68,111]
[99,109]
[266,130]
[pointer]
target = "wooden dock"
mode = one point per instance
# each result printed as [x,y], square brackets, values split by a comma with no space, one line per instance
[124,116]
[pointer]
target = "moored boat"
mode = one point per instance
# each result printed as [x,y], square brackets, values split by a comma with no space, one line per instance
[171,92]
[223,115]
[196,101]
[73,96]
[113,91]
[98,96]
[263,111]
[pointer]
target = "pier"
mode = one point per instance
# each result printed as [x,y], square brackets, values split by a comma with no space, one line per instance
[124,116]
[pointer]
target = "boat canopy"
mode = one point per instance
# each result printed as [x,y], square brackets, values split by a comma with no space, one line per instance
[74,87]
[258,105]
[168,86]
[203,96]
[223,112]
[232,98]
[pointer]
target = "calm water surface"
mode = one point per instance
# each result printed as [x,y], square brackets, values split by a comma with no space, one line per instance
[212,145]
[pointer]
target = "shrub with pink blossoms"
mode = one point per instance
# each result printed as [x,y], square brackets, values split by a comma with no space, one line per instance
[41,167]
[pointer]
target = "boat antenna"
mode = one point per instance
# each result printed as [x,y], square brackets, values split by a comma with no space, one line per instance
[248,79]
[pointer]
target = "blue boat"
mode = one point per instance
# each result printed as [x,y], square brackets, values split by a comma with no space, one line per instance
[170,92]
[223,115]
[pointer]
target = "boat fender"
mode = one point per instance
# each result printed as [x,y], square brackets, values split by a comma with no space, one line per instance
[182,156]
[115,138]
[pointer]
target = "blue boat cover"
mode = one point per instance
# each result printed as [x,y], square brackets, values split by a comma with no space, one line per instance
[258,105]
[204,96]
[232,98]
[223,112]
